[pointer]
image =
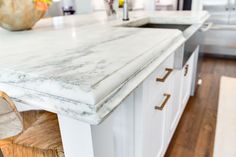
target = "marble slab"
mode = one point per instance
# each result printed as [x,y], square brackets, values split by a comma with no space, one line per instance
[81,66]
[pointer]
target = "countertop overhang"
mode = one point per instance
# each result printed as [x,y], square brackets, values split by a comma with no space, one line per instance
[84,66]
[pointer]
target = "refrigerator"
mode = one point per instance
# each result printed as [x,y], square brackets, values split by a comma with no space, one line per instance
[220,40]
[222,11]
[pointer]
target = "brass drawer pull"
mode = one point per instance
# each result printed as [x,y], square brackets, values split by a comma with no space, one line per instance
[186,70]
[168,72]
[164,102]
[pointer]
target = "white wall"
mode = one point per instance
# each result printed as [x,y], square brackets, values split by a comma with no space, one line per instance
[86,6]
[175,3]
[83,6]
[138,4]
[149,5]
[197,5]
[98,4]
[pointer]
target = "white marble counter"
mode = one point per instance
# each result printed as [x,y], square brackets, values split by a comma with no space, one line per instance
[84,66]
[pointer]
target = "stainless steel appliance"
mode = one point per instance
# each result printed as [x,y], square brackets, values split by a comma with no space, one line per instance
[222,11]
[189,47]
[221,38]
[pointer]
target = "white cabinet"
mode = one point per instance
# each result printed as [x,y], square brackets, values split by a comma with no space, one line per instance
[187,77]
[159,103]
[114,137]
[143,124]
[152,100]
[182,85]
[154,131]
[174,109]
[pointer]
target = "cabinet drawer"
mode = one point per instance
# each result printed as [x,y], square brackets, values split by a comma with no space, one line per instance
[157,83]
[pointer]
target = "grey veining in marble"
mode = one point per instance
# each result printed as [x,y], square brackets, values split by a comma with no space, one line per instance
[81,66]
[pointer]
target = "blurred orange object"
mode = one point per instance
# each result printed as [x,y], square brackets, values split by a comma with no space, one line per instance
[19,15]
[41,5]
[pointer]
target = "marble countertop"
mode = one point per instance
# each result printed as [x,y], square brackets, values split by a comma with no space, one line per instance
[84,66]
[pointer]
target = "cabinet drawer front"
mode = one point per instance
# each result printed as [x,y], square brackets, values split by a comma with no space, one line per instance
[154,133]
[157,95]
[157,83]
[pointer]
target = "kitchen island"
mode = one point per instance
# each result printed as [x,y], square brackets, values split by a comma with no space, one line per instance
[95,74]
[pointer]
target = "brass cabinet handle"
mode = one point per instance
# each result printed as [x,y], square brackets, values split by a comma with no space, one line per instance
[164,102]
[186,70]
[168,72]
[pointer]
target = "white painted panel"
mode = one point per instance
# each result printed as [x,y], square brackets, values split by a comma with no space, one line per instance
[115,136]
[187,80]
[197,5]
[103,139]
[76,137]
[214,2]
[83,6]
[151,124]
[150,5]
[138,4]
[154,131]
[174,108]
[195,71]
[139,120]
[68,3]
[98,4]
[112,138]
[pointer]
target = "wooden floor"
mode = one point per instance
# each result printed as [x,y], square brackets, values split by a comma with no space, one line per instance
[195,133]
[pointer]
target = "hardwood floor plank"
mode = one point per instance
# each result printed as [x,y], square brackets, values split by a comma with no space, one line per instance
[180,151]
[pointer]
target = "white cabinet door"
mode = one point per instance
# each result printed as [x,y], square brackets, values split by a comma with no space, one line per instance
[152,99]
[154,132]
[174,109]
[149,126]
[187,78]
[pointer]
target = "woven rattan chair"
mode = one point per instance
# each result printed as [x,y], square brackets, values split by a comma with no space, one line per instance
[28,134]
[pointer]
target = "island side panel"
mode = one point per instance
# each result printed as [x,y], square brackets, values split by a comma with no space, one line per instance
[114,137]
[76,137]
